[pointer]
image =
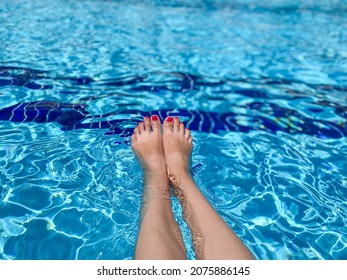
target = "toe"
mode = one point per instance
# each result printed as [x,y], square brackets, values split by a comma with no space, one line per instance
[141,127]
[182,128]
[168,124]
[187,133]
[176,124]
[190,140]
[147,124]
[155,123]
[137,131]
[133,139]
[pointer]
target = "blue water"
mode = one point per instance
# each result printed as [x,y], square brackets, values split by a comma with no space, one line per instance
[262,86]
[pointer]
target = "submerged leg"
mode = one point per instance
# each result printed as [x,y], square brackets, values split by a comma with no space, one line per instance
[212,237]
[159,235]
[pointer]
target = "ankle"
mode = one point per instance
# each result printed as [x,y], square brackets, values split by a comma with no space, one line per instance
[179,172]
[155,179]
[182,181]
[187,192]
[155,170]
[156,188]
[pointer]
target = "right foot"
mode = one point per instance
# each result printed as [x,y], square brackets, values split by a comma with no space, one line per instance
[177,143]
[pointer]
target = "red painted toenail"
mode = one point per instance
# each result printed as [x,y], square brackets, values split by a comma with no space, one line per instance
[146,118]
[170,119]
[154,118]
[176,118]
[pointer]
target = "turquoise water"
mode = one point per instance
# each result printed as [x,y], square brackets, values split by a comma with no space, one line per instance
[261,85]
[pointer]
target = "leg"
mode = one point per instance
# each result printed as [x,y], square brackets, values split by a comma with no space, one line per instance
[212,237]
[159,236]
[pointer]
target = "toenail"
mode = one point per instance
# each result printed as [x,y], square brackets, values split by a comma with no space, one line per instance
[146,118]
[176,118]
[154,118]
[170,119]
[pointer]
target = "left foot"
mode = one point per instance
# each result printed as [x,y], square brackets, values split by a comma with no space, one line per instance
[147,144]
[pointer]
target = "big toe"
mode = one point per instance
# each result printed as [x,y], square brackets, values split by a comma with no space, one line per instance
[168,124]
[155,123]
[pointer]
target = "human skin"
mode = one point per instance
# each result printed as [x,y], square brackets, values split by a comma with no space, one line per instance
[165,160]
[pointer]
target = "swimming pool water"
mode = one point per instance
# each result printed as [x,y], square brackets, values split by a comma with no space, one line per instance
[262,86]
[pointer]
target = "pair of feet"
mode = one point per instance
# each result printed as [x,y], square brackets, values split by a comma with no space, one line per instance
[164,154]
[162,150]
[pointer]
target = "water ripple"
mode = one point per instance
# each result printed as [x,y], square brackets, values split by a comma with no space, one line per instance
[277,187]
[268,119]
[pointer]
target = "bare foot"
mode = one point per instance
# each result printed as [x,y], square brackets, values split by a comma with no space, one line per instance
[177,143]
[159,235]
[147,144]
